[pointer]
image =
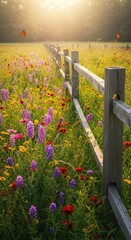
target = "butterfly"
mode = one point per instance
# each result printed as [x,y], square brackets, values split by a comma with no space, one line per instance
[118,36]
[23,33]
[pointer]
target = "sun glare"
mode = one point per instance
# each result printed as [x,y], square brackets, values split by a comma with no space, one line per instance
[61,4]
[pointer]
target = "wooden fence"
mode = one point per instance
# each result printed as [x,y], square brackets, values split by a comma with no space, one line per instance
[116,112]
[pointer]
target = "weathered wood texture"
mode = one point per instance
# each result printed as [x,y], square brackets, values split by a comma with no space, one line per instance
[75,76]
[120,211]
[113,129]
[122,111]
[97,82]
[66,65]
[68,59]
[93,143]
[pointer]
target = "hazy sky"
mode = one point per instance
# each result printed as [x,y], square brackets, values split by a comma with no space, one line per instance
[61,4]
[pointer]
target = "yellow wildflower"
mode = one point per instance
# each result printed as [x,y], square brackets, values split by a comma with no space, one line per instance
[36,122]
[2,178]
[6,173]
[22,149]
[127,181]
[8,167]
[16,165]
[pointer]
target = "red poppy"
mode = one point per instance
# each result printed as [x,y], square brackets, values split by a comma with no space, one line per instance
[13,185]
[49,142]
[95,200]
[21,101]
[79,169]
[127,144]
[63,170]
[1,107]
[83,178]
[68,209]
[62,130]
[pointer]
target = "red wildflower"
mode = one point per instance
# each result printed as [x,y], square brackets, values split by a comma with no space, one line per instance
[62,130]
[49,142]
[21,101]
[1,107]
[79,169]
[13,185]
[68,209]
[63,104]
[63,170]
[83,178]
[95,200]
[68,223]
[127,144]
[24,120]
[3,192]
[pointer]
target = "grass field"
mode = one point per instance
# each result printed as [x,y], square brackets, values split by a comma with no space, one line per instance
[50,186]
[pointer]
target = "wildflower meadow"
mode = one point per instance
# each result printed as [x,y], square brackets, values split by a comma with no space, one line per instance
[50,186]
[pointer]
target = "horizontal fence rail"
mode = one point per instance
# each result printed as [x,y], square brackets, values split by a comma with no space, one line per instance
[116,112]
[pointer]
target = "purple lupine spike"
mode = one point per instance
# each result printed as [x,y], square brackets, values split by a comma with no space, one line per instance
[26,93]
[30,129]
[19,181]
[51,112]
[33,211]
[49,151]
[0,119]
[10,161]
[41,134]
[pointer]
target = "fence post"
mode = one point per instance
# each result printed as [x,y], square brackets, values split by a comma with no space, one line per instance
[113,129]
[58,57]
[75,76]
[66,65]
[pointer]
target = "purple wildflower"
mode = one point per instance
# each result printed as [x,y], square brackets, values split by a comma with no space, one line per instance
[20,96]
[5,94]
[47,118]
[49,151]
[10,161]
[30,77]
[56,172]
[60,121]
[61,199]
[36,82]
[33,211]
[12,139]
[41,134]
[19,181]
[51,112]
[26,114]
[26,93]
[88,117]
[72,183]
[33,165]
[0,119]
[89,171]
[44,82]
[53,207]
[51,230]
[30,129]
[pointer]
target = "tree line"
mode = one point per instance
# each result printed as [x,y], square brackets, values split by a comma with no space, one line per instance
[87,20]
